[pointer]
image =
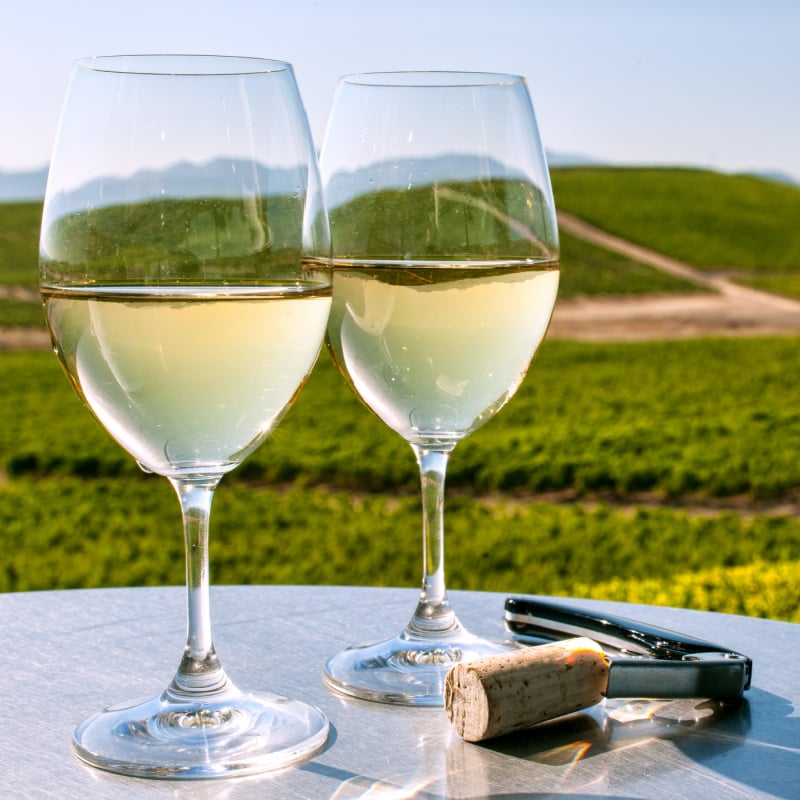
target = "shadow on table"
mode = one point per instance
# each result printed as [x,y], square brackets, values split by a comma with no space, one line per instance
[360,787]
[615,725]
[705,731]
[772,761]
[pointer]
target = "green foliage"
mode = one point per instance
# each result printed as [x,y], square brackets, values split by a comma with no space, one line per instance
[66,533]
[44,428]
[759,589]
[787,285]
[19,243]
[705,418]
[705,218]
[21,314]
[701,418]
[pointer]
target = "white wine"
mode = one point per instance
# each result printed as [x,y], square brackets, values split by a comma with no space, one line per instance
[436,350]
[188,379]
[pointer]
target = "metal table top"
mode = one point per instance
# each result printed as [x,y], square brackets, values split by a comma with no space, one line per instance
[66,654]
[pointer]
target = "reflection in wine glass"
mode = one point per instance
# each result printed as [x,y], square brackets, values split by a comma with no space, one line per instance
[185,281]
[446,269]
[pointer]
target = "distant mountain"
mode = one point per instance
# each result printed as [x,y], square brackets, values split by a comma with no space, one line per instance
[558,159]
[222,177]
[401,172]
[29,185]
[22,186]
[777,176]
[218,178]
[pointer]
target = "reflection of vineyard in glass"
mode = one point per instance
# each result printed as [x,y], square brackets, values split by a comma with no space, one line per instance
[180,240]
[495,220]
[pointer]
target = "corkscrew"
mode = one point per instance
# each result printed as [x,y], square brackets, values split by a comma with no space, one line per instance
[645,660]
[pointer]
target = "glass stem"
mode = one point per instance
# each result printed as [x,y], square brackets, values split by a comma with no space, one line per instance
[200,671]
[433,614]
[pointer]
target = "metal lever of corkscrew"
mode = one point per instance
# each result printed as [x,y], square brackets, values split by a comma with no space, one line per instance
[648,661]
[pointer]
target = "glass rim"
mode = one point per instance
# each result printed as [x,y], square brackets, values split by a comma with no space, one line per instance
[432,79]
[180,64]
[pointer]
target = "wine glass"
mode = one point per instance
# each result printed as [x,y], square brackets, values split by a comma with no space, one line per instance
[445,255]
[186,284]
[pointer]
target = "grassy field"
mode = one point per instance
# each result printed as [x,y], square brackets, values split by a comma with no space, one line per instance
[77,512]
[19,244]
[684,420]
[618,470]
[742,225]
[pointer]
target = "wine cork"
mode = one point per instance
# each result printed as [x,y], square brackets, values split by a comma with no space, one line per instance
[498,694]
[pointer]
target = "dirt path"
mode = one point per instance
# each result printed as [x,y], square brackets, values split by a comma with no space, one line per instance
[19,293]
[670,317]
[727,310]
[24,339]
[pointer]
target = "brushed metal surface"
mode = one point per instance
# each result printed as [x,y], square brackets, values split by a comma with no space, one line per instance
[65,654]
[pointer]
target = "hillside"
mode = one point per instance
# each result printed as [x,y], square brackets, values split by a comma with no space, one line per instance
[645,253]
[739,226]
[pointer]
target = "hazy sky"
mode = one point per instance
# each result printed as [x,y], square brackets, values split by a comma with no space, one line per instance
[699,82]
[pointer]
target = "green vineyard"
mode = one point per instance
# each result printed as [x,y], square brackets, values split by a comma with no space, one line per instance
[661,472]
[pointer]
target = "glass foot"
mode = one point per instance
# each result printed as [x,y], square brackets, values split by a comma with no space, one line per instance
[227,734]
[406,670]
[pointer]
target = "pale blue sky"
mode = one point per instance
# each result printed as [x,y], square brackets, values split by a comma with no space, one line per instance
[700,82]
